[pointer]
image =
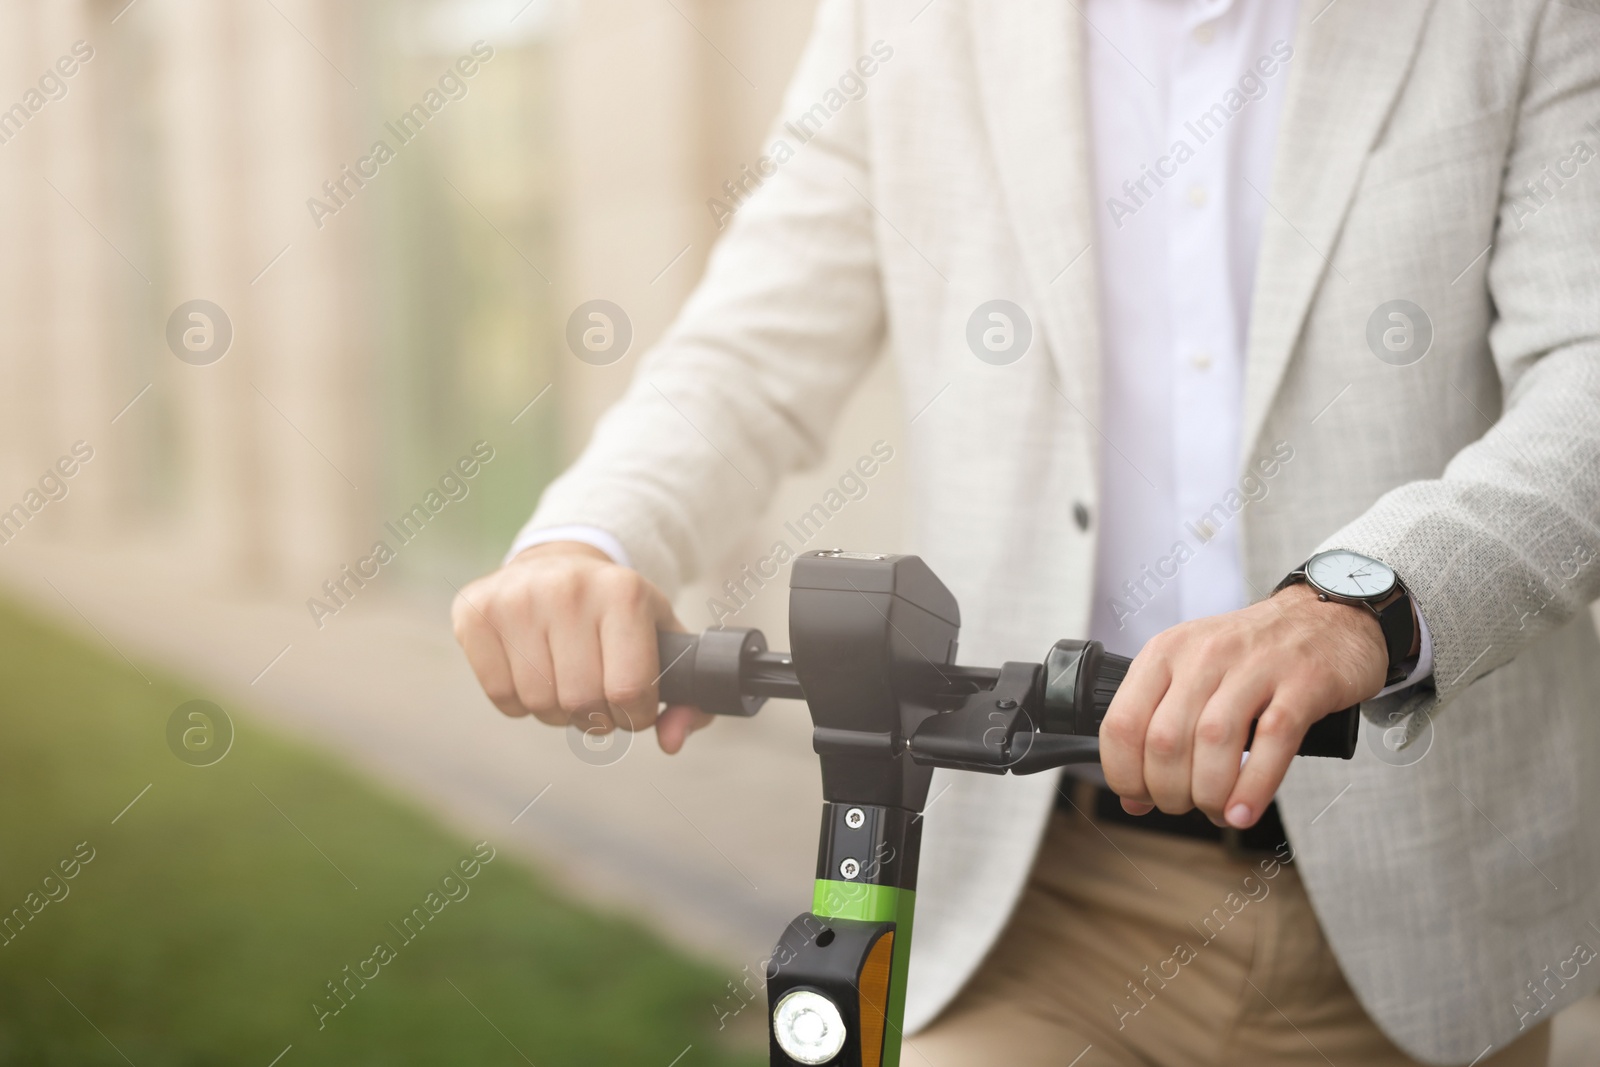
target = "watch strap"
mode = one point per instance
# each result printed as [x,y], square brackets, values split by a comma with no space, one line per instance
[1399,628]
[1292,578]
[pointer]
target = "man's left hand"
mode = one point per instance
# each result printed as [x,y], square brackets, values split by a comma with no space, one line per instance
[1175,733]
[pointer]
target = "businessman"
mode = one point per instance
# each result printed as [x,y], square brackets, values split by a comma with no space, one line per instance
[1258,338]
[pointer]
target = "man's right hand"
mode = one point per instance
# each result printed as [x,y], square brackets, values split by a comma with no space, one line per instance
[567,635]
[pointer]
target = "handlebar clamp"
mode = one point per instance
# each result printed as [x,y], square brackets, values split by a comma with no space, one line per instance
[981,735]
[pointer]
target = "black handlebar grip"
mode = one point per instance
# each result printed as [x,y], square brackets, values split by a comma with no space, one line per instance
[677,666]
[1081,677]
[1332,735]
[707,669]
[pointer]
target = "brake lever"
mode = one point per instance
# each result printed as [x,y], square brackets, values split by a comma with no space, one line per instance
[1039,716]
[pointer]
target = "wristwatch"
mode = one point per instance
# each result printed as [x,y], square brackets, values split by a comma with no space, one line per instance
[1346,577]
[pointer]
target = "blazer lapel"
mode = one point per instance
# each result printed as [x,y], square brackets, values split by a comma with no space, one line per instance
[1351,58]
[1028,58]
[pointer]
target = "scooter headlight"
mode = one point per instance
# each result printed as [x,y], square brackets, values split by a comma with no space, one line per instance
[808,1027]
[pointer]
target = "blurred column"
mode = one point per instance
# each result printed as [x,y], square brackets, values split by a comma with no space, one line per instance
[21,220]
[658,110]
[76,262]
[206,173]
[632,190]
[306,119]
[765,40]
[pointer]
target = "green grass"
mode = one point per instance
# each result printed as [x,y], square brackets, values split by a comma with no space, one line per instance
[206,925]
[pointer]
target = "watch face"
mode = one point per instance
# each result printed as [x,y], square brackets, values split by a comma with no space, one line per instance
[1350,574]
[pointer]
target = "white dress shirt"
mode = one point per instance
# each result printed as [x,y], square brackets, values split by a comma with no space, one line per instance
[1176,243]
[1185,97]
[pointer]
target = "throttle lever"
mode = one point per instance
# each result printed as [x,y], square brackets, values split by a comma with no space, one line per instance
[1081,678]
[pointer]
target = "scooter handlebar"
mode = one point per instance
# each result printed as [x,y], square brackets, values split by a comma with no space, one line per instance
[731,672]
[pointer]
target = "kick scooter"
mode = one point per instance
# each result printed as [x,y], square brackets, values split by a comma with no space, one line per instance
[874,648]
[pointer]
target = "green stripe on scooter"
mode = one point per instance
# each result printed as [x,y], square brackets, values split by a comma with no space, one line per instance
[833,899]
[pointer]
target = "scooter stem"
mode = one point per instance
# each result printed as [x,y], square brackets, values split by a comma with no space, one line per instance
[874,648]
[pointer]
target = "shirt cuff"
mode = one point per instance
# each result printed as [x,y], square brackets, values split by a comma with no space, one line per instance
[1424,665]
[589,535]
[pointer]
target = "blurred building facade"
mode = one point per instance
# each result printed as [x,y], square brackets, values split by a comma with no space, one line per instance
[376,337]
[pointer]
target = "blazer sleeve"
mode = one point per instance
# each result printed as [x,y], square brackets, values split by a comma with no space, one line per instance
[744,386]
[1504,546]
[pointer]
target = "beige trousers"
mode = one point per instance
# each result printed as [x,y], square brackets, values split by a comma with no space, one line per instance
[1134,948]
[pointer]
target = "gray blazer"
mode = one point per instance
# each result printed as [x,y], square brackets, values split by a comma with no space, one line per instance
[1456,878]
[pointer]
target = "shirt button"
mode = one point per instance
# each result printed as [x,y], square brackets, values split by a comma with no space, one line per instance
[1080,515]
[1197,195]
[1204,32]
[1201,361]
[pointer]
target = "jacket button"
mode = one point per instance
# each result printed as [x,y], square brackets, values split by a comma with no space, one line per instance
[1080,515]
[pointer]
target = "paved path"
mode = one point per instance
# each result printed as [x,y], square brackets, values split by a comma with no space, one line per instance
[714,847]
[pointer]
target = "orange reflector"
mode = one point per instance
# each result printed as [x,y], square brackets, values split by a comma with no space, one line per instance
[874,987]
